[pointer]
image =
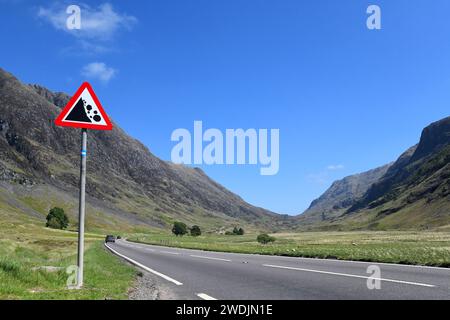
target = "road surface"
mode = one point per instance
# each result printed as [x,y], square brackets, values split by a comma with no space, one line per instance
[196,274]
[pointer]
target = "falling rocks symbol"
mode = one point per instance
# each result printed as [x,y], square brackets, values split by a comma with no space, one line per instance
[78,113]
[83,113]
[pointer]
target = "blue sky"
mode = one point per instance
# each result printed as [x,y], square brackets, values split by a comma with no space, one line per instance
[346,99]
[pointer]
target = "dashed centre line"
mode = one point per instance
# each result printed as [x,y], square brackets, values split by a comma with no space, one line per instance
[210,258]
[351,275]
[170,252]
[204,296]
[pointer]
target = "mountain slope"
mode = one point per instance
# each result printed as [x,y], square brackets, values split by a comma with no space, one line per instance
[341,196]
[419,178]
[414,192]
[123,176]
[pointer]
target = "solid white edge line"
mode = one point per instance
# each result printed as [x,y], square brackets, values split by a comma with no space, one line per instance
[211,258]
[350,275]
[140,265]
[204,296]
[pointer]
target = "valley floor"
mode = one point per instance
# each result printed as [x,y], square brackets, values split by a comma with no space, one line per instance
[27,249]
[403,247]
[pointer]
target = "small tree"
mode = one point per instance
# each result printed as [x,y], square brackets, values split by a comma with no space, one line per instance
[53,223]
[195,231]
[240,232]
[179,228]
[264,238]
[57,219]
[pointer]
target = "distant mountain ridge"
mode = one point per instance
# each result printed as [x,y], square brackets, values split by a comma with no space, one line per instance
[341,196]
[123,176]
[418,173]
[411,193]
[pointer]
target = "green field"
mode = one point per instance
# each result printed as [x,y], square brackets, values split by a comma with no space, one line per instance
[418,248]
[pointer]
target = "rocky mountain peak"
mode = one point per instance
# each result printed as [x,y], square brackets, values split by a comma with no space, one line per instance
[434,137]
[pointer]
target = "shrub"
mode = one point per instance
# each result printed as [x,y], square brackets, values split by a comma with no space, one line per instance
[264,238]
[57,219]
[237,231]
[179,228]
[195,231]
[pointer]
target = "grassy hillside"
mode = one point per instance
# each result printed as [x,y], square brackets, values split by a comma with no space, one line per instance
[37,201]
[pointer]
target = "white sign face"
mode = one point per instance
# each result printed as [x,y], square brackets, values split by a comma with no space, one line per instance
[84,111]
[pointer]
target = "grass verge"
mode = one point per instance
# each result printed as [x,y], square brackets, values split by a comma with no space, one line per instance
[27,248]
[18,280]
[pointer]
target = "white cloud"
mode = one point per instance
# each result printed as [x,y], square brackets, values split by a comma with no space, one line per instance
[325,176]
[98,71]
[334,167]
[101,23]
[320,178]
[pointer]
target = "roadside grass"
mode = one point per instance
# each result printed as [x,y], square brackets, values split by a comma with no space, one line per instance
[416,248]
[26,247]
[19,281]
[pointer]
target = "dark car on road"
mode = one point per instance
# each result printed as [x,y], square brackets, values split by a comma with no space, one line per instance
[110,238]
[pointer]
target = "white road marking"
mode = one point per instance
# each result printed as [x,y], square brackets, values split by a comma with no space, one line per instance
[137,246]
[204,296]
[169,252]
[351,275]
[178,283]
[364,262]
[210,258]
[312,259]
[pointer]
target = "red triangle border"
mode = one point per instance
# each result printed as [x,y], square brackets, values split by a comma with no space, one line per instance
[59,120]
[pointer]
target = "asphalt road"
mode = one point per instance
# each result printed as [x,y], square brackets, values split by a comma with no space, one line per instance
[196,274]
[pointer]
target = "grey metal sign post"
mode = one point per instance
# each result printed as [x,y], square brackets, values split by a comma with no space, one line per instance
[83,111]
[81,212]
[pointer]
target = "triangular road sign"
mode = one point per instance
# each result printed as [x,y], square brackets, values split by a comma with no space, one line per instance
[84,111]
